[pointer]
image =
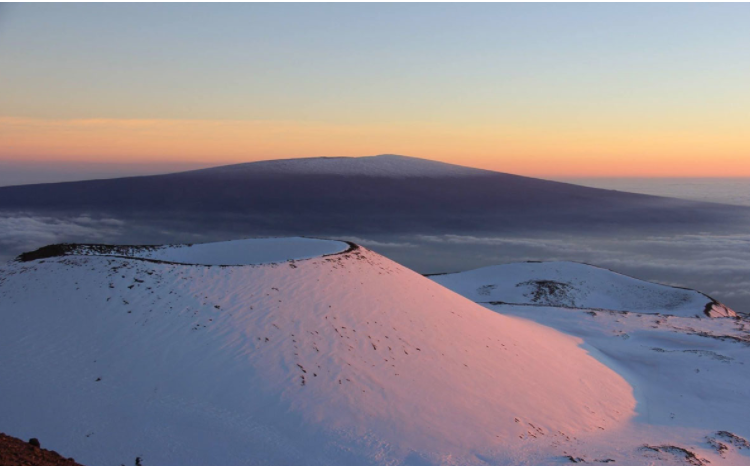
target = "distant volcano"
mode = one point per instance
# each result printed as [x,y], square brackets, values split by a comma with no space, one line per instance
[384,193]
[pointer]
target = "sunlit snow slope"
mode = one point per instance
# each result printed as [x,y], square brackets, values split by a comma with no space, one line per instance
[570,284]
[689,373]
[335,360]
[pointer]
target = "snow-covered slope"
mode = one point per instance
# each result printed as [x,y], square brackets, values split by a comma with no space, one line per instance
[689,373]
[570,284]
[690,378]
[384,165]
[337,360]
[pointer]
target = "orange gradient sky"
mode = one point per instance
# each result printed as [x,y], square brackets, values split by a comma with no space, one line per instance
[548,90]
[530,151]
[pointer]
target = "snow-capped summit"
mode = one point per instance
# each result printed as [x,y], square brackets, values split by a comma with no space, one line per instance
[366,195]
[336,359]
[384,165]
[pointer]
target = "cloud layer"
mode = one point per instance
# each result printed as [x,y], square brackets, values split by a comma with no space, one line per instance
[23,232]
[718,265]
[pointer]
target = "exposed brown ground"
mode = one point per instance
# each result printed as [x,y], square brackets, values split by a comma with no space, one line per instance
[15,452]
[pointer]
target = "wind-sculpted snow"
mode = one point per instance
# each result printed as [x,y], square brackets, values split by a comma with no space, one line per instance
[337,360]
[689,372]
[570,284]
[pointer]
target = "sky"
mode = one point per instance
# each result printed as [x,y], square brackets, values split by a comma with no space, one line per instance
[548,90]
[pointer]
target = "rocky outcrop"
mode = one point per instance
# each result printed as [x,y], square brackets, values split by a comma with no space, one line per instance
[716,309]
[16,452]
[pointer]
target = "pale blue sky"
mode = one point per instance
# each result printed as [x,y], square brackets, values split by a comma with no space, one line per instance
[539,89]
[335,62]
